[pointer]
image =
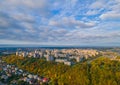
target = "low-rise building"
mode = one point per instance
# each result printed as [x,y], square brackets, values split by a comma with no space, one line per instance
[60,60]
[68,63]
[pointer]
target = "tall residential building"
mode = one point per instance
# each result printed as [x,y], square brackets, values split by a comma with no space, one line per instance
[24,54]
[17,53]
[79,59]
[49,58]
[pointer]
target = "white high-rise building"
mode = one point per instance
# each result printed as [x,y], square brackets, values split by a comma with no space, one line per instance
[49,58]
[24,54]
[17,53]
[36,55]
[79,59]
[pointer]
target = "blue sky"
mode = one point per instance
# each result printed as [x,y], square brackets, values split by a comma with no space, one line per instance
[60,22]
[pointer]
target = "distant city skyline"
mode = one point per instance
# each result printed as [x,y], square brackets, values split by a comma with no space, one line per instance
[60,22]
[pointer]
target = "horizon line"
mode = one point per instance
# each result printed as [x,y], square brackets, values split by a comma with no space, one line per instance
[35,45]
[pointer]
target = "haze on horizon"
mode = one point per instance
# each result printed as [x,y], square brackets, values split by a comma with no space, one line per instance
[60,22]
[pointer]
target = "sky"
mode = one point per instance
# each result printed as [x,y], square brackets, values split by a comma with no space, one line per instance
[60,22]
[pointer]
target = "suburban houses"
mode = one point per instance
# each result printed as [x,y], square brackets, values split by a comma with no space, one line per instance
[8,72]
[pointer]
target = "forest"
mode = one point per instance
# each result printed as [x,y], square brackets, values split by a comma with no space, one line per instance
[101,71]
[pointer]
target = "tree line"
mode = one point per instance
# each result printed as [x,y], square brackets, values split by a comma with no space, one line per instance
[101,71]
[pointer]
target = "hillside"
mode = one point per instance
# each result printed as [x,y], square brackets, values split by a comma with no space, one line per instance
[101,71]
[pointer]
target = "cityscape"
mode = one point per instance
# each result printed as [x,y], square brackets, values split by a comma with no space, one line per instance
[14,74]
[59,42]
[63,56]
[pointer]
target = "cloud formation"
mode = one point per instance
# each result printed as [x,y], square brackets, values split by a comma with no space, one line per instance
[59,22]
[110,16]
[70,22]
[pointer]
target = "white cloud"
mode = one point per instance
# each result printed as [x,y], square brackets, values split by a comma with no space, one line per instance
[109,16]
[59,21]
[25,3]
[41,7]
[98,4]
[3,23]
[23,17]
[70,22]
[92,12]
